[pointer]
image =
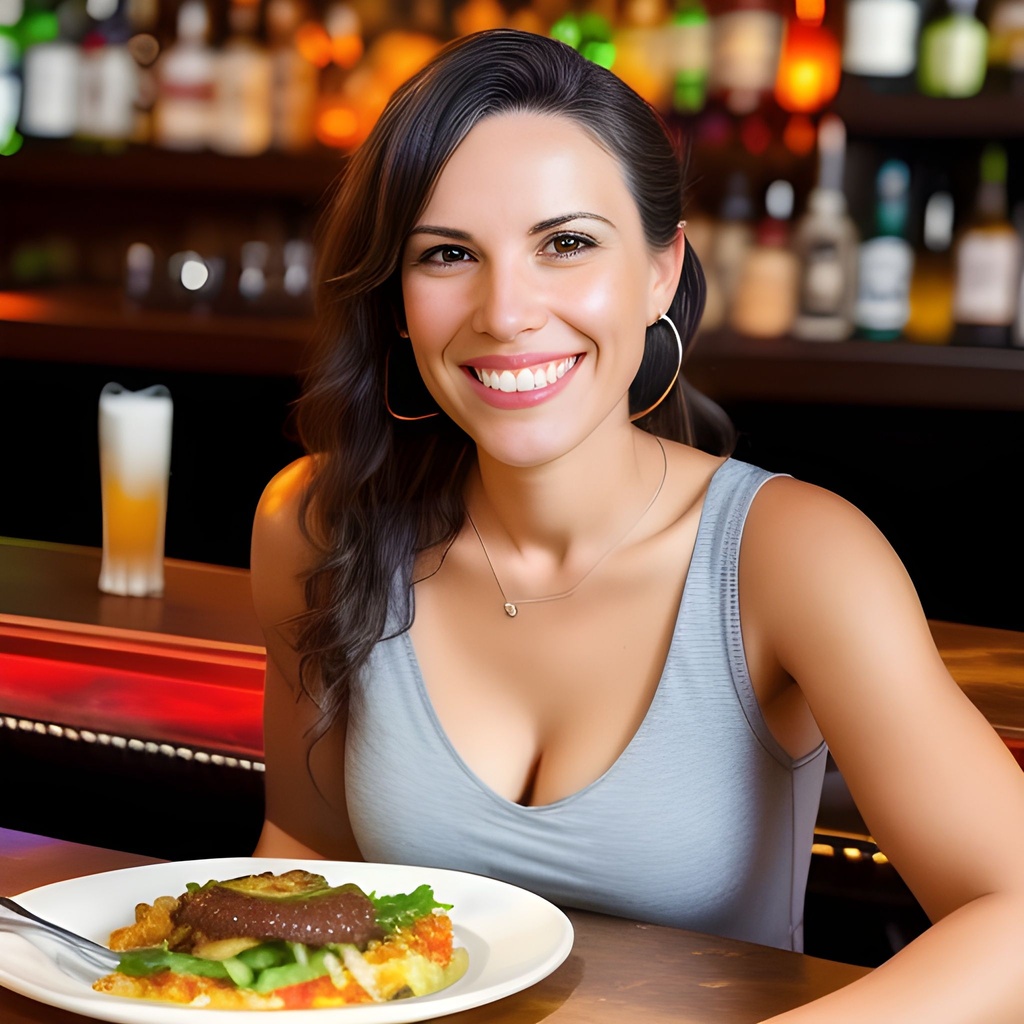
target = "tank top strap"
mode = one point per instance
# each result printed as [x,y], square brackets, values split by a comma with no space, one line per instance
[712,593]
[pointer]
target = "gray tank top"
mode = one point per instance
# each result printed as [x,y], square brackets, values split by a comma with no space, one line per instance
[704,821]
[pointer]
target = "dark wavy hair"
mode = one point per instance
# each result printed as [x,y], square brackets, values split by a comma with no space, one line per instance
[382,490]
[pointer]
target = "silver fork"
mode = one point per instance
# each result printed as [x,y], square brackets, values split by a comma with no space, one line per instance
[89,958]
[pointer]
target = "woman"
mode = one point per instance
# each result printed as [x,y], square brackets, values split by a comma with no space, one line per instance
[511,630]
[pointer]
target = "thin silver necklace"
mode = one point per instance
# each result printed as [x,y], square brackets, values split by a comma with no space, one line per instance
[512,607]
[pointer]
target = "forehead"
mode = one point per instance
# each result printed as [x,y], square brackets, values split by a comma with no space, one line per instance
[512,164]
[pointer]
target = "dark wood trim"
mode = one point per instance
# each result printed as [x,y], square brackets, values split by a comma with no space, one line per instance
[93,324]
[729,367]
[870,113]
[40,164]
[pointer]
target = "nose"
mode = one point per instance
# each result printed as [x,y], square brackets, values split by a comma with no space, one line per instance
[509,302]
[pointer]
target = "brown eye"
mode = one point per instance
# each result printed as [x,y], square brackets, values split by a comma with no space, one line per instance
[567,243]
[452,254]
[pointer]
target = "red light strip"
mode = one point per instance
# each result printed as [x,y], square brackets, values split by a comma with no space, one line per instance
[196,694]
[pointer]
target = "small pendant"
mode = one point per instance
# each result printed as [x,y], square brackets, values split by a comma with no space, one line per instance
[511,610]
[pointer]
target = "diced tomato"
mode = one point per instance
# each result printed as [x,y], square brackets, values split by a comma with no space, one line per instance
[320,993]
[430,936]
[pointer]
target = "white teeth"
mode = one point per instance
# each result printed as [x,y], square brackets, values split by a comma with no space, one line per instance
[528,379]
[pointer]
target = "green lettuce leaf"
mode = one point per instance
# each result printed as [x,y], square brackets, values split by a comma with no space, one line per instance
[394,912]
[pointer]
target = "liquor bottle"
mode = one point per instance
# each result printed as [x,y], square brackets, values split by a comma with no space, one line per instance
[295,79]
[108,82]
[880,41]
[746,38]
[183,113]
[954,52]
[689,56]
[931,286]
[243,81]
[826,242]
[1006,46]
[1017,339]
[766,293]
[642,55]
[733,236]
[988,261]
[49,77]
[886,261]
[10,91]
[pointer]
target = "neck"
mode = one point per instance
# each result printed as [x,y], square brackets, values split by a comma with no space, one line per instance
[545,526]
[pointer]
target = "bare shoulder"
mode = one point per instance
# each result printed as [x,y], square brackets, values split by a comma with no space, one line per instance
[306,813]
[281,552]
[818,552]
[824,591]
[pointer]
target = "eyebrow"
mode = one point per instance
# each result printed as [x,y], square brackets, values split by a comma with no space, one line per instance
[544,225]
[431,229]
[554,222]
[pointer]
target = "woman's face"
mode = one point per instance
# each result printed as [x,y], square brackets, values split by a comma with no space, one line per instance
[528,285]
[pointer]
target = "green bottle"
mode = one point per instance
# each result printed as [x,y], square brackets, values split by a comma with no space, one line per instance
[954,52]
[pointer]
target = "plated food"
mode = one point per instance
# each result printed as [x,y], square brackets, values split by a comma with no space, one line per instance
[285,941]
[513,938]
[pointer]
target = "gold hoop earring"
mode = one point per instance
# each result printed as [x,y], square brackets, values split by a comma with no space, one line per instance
[675,376]
[387,403]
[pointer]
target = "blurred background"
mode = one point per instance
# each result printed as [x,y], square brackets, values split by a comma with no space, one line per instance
[856,196]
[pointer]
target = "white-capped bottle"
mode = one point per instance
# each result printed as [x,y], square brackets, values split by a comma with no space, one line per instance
[825,241]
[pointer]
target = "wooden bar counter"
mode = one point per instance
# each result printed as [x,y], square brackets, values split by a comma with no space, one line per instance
[618,971]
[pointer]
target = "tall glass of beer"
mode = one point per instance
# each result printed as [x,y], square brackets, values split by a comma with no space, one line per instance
[135,463]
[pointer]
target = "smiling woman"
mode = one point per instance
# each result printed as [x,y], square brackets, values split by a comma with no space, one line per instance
[526,618]
[535,286]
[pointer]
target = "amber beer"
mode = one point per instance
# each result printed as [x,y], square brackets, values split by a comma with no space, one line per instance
[135,461]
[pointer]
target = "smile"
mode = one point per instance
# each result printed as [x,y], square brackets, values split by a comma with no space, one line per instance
[529,378]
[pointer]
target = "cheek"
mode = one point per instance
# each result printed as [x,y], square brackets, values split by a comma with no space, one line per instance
[432,313]
[611,309]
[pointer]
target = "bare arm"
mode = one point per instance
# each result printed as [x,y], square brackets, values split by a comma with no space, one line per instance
[938,789]
[306,814]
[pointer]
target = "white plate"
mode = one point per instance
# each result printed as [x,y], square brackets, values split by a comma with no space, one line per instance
[513,937]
